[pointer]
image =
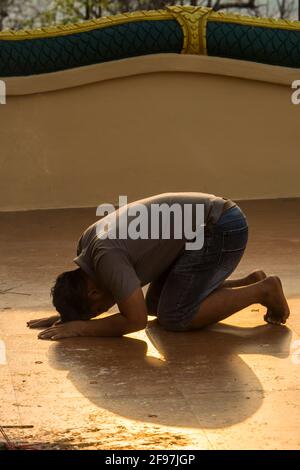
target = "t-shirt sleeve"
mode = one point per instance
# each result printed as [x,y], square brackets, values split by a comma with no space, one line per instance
[115,273]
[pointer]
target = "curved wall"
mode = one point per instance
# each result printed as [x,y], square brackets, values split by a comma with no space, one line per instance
[147,125]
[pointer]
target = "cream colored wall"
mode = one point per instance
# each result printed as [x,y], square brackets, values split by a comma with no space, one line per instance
[148,133]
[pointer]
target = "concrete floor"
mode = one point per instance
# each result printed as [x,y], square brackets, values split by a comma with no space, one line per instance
[232,386]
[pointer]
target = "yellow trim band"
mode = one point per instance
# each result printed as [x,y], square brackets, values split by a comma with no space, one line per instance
[254,21]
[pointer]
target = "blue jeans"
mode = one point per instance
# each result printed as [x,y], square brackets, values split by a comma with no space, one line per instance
[175,297]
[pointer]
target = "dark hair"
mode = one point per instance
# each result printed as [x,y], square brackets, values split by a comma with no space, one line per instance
[69,296]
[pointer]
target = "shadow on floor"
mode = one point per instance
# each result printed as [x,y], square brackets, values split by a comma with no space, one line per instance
[199,381]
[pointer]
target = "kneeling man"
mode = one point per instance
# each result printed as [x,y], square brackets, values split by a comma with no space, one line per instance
[185,245]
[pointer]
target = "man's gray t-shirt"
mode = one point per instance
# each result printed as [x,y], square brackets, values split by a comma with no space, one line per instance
[119,266]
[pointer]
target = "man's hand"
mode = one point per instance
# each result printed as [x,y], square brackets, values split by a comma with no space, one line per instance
[44,322]
[64,330]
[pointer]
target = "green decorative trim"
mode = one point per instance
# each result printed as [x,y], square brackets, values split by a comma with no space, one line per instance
[120,41]
[177,29]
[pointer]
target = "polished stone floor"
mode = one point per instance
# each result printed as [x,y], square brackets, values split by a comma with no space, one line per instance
[231,386]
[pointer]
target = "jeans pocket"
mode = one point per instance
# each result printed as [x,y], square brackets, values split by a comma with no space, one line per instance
[235,240]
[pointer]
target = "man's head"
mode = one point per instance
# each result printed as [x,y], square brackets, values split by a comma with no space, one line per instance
[76,297]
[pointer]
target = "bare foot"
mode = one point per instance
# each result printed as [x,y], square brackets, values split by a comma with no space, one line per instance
[256,276]
[275,301]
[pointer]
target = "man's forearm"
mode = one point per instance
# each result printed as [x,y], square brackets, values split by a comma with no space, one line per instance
[114,325]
